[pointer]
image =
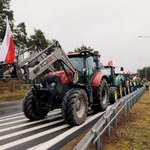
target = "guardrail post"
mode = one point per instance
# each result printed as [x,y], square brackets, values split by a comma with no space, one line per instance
[129,106]
[115,120]
[125,112]
[131,103]
[136,98]
[97,143]
[108,129]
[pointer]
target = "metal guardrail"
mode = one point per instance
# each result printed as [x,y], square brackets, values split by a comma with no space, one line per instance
[110,117]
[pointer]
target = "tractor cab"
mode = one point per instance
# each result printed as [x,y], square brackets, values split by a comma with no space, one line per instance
[86,64]
[109,71]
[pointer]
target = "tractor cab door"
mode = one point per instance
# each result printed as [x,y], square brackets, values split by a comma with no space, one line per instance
[78,63]
[91,68]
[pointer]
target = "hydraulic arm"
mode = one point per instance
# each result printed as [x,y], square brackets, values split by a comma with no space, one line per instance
[38,63]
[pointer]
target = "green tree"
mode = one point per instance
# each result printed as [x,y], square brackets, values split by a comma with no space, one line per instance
[19,33]
[144,73]
[83,48]
[20,36]
[5,11]
[38,39]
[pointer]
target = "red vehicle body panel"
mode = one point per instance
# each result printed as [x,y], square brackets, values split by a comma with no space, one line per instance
[62,75]
[96,81]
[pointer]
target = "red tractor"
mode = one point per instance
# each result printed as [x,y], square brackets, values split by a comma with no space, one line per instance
[72,82]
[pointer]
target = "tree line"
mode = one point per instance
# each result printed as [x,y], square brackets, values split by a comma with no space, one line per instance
[144,73]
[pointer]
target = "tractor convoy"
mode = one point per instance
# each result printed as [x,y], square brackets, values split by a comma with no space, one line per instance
[117,82]
[72,82]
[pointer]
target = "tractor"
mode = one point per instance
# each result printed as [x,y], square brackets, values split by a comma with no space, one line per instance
[116,82]
[72,83]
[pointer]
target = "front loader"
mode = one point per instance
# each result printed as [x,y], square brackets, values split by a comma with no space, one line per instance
[71,82]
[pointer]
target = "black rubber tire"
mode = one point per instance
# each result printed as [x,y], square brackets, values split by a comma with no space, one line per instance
[112,97]
[120,90]
[30,110]
[102,98]
[69,106]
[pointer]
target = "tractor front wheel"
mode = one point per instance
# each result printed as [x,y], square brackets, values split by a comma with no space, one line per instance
[75,106]
[30,109]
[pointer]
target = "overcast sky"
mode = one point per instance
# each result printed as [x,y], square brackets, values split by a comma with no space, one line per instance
[110,26]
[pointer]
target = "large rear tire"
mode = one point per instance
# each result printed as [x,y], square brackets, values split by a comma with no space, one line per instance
[120,91]
[102,98]
[113,95]
[30,109]
[75,106]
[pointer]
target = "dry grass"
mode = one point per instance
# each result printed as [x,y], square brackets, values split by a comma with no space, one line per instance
[136,134]
[11,96]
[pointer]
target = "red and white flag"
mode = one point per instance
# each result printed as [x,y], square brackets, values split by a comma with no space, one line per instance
[7,51]
[110,63]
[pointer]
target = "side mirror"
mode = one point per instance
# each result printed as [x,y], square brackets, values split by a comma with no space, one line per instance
[121,68]
[95,58]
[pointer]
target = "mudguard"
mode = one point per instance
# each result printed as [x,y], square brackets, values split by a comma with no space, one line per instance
[96,80]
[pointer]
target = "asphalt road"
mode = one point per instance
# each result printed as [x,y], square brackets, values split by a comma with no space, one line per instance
[18,133]
[10,107]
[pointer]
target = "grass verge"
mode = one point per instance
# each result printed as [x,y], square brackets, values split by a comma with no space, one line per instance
[135,135]
[11,96]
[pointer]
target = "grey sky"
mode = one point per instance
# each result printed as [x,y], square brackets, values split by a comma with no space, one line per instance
[109,26]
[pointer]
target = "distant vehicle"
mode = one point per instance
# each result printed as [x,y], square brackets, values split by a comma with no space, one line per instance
[117,83]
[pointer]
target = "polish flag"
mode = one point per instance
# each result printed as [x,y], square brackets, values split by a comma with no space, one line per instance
[7,51]
[110,63]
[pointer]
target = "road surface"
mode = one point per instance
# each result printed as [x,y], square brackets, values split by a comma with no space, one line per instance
[18,133]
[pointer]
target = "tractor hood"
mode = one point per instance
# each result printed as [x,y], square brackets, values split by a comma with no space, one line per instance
[62,75]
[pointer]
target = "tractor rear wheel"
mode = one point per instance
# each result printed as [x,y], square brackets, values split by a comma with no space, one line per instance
[30,109]
[120,91]
[75,106]
[113,95]
[102,97]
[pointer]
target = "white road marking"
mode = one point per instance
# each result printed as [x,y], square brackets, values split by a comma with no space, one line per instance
[30,129]
[32,137]
[50,143]
[5,119]
[1,118]
[47,144]
[16,117]
[16,121]
[9,116]
[28,123]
